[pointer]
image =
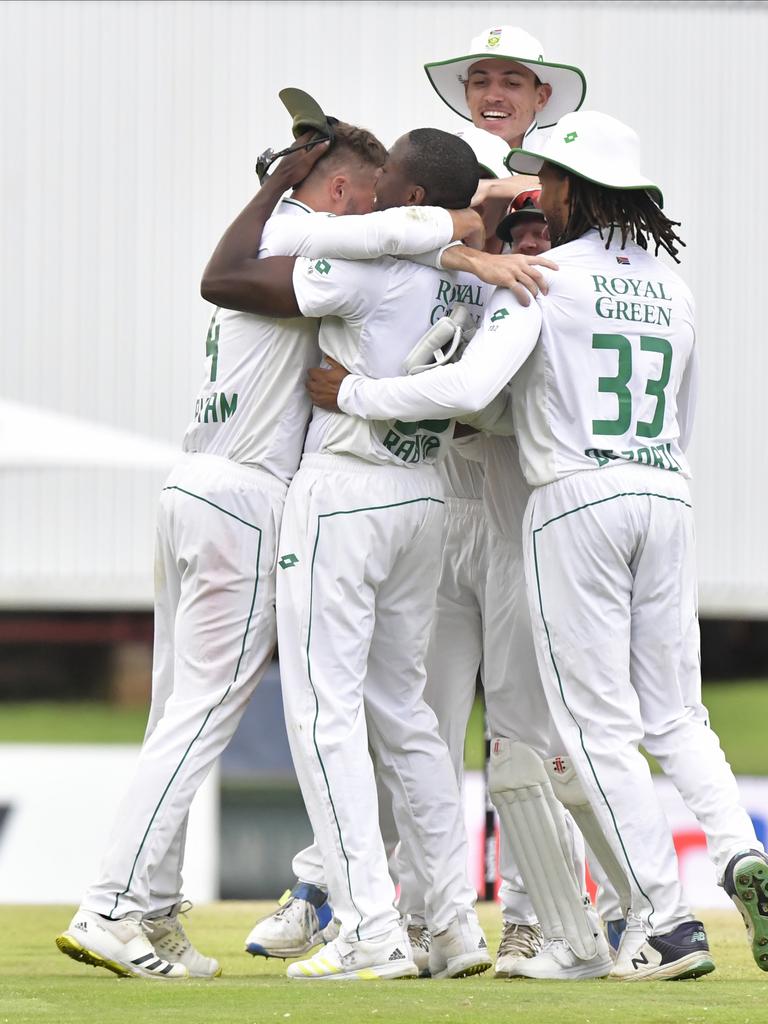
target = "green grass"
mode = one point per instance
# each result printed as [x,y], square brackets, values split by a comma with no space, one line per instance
[80,722]
[738,713]
[40,986]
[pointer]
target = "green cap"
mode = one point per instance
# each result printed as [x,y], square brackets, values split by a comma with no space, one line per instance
[306,112]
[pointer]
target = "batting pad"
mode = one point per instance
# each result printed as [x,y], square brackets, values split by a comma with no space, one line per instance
[535,822]
[568,789]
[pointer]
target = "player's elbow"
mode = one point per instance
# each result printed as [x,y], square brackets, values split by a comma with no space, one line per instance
[214,288]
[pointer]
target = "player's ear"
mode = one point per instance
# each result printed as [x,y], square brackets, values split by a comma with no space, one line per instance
[543,92]
[338,186]
[416,196]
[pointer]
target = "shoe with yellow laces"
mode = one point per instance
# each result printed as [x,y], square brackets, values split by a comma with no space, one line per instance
[383,959]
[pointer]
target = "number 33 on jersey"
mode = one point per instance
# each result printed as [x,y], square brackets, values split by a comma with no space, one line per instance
[620,345]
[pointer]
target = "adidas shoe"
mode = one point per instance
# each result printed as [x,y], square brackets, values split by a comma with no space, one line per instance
[460,950]
[121,946]
[677,955]
[421,941]
[169,940]
[518,942]
[303,920]
[358,961]
[746,882]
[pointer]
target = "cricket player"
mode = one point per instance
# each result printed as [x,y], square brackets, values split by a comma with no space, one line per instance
[509,92]
[359,563]
[482,624]
[216,551]
[604,395]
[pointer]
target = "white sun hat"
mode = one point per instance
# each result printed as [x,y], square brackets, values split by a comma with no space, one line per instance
[490,150]
[591,145]
[509,43]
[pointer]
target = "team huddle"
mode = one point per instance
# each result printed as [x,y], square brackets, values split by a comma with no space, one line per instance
[449,391]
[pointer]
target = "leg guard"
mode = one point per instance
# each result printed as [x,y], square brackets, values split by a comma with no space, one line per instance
[535,823]
[569,791]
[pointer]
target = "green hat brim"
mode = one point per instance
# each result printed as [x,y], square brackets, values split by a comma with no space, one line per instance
[534,161]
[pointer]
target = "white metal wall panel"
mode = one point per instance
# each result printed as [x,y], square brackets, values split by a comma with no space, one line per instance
[129,132]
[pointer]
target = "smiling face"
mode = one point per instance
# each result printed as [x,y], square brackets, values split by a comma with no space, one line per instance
[504,98]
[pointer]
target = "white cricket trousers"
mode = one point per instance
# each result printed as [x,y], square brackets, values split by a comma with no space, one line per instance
[358,570]
[215,553]
[482,621]
[611,576]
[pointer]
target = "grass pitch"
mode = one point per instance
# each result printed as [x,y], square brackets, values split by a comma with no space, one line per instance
[40,986]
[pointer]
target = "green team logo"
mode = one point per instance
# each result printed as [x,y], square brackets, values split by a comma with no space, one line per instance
[323,267]
[288,561]
[570,137]
[499,315]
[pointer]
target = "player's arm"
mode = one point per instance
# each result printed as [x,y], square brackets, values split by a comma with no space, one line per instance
[517,272]
[494,355]
[496,418]
[234,278]
[401,231]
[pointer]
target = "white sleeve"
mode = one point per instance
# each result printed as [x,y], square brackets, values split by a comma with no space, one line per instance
[496,417]
[494,355]
[433,258]
[687,396]
[402,231]
[340,288]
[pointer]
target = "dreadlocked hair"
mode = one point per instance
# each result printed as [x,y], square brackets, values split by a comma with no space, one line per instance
[630,211]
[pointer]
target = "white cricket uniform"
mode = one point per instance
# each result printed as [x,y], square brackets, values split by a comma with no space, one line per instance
[481,623]
[604,408]
[216,548]
[359,566]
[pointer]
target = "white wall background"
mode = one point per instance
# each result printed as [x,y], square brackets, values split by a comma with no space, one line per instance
[129,131]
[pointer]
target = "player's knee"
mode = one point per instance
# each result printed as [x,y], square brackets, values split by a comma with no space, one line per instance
[514,765]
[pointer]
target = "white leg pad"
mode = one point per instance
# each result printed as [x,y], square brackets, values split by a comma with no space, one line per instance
[535,824]
[568,789]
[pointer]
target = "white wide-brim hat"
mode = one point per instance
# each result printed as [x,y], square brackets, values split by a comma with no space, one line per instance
[509,43]
[591,145]
[490,150]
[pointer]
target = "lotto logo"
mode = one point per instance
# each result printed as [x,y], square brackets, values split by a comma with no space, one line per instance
[287,561]
[323,267]
[499,315]
[571,137]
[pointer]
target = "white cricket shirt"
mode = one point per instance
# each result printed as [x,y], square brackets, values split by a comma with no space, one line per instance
[374,313]
[253,407]
[611,380]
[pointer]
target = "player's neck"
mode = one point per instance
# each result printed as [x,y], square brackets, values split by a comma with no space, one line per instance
[313,198]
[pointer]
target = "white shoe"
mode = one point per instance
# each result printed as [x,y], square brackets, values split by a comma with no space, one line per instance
[460,950]
[169,939]
[303,921]
[518,942]
[676,955]
[121,946]
[557,962]
[358,961]
[421,941]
